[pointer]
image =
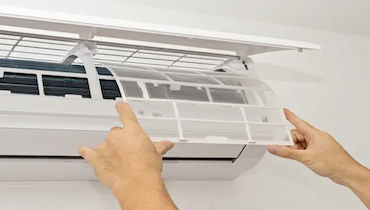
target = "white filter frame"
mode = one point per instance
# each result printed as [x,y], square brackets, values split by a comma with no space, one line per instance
[220,85]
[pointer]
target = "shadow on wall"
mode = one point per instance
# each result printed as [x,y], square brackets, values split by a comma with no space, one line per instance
[278,73]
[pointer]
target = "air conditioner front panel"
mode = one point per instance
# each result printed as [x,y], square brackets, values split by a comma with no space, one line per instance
[54,142]
[196,88]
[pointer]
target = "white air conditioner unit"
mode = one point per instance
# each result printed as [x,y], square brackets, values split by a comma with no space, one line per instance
[61,75]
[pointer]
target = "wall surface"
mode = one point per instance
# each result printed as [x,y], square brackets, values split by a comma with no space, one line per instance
[328,88]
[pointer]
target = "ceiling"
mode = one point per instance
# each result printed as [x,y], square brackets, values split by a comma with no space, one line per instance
[350,17]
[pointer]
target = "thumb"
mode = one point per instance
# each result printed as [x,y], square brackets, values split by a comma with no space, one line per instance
[287,152]
[88,154]
[163,147]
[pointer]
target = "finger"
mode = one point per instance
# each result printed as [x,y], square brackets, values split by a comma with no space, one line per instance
[297,136]
[114,132]
[101,146]
[295,146]
[115,128]
[89,155]
[126,114]
[300,124]
[104,150]
[286,152]
[301,145]
[163,147]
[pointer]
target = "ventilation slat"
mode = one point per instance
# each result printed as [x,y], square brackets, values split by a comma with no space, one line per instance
[59,91]
[103,71]
[19,83]
[109,84]
[17,78]
[70,82]
[110,89]
[20,89]
[60,86]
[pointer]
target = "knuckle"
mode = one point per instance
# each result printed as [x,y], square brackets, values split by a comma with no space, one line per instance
[116,128]
[309,135]
[308,158]
[134,128]
[295,132]
[101,146]
[114,131]
[288,154]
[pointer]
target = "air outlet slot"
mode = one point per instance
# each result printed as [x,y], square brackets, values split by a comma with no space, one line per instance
[109,89]
[103,71]
[60,86]
[19,83]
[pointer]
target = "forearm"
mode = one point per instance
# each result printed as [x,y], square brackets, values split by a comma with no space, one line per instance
[144,193]
[358,180]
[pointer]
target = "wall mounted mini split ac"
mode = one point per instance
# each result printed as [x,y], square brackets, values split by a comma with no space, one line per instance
[61,75]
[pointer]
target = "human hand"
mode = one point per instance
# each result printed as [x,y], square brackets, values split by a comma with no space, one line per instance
[316,149]
[128,155]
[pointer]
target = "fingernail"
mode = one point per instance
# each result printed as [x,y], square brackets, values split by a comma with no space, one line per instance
[273,150]
[81,151]
[170,145]
[285,111]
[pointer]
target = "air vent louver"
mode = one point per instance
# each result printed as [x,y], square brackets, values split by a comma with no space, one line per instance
[60,86]
[19,83]
[109,89]
[103,71]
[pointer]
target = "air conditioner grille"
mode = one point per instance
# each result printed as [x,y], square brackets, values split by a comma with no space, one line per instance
[103,71]
[60,86]
[19,83]
[109,89]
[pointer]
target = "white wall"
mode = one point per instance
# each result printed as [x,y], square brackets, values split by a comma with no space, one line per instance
[329,88]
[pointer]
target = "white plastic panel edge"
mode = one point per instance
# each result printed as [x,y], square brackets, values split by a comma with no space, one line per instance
[79,170]
[139,31]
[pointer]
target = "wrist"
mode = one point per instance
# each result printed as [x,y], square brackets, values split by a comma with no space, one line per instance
[353,176]
[137,189]
[137,181]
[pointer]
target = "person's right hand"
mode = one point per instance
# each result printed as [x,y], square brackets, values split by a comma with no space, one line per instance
[316,149]
[128,153]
